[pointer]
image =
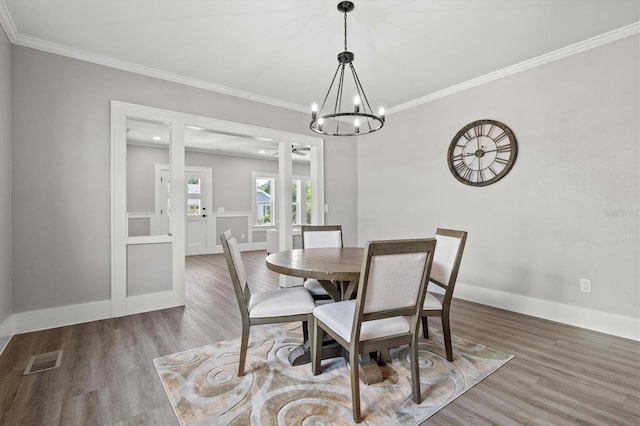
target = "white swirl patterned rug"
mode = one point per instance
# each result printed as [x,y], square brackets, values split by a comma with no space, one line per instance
[204,388]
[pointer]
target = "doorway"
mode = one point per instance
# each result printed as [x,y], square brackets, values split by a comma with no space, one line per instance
[199,193]
[147,269]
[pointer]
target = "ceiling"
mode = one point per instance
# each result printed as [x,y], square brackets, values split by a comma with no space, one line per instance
[283,52]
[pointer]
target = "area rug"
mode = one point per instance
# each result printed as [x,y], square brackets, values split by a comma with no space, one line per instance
[204,387]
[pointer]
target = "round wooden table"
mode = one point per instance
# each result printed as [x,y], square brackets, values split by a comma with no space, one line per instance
[337,269]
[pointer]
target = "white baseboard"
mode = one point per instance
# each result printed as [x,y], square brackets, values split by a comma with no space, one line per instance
[604,322]
[25,322]
[616,325]
[6,332]
[242,247]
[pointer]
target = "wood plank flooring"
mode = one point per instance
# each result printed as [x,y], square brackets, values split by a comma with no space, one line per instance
[561,375]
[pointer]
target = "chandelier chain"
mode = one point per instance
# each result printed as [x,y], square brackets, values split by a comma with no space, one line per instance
[345,31]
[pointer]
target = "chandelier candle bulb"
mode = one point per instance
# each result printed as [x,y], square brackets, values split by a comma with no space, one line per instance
[381,114]
[356,104]
[356,124]
[314,111]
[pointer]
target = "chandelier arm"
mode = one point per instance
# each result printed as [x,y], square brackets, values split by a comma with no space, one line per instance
[336,109]
[329,91]
[362,95]
[359,87]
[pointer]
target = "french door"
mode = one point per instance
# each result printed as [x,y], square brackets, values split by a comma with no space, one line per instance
[198,192]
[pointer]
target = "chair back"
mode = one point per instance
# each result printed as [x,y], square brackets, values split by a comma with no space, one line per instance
[446,261]
[321,236]
[394,279]
[236,271]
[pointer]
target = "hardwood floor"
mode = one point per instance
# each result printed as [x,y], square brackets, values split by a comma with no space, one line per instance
[560,374]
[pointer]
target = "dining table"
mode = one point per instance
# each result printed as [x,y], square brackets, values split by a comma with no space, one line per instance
[336,268]
[338,271]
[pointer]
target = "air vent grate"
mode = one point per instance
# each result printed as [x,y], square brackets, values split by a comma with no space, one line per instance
[43,362]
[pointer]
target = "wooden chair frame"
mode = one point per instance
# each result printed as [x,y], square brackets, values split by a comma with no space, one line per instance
[320,228]
[243,295]
[355,347]
[448,295]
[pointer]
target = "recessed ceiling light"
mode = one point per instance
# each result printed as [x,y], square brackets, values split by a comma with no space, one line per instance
[262,151]
[157,138]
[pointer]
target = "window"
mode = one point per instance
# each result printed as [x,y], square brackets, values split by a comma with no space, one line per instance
[301,201]
[193,204]
[264,200]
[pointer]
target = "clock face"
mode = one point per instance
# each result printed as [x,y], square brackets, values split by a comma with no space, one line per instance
[482,152]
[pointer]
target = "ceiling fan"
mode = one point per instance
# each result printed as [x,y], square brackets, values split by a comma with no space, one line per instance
[294,150]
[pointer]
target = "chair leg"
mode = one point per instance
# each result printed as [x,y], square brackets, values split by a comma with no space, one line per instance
[425,327]
[415,371]
[305,331]
[446,331]
[244,342]
[316,348]
[354,359]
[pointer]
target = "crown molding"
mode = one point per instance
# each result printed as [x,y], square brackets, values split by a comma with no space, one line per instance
[6,21]
[555,55]
[150,72]
[16,38]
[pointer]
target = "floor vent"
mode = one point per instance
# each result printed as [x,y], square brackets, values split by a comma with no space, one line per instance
[43,362]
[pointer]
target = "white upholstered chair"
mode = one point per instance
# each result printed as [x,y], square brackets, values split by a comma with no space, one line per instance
[320,236]
[444,273]
[267,307]
[386,312]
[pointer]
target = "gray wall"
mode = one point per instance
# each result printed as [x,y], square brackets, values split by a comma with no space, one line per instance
[5,182]
[61,168]
[232,186]
[567,210]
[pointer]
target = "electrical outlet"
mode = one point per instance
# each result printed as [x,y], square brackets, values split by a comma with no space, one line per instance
[585,285]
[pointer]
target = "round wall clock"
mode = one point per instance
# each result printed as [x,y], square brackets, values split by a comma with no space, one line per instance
[482,152]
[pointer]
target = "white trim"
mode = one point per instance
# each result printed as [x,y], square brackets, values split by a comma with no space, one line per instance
[120,111]
[604,322]
[16,38]
[555,55]
[153,302]
[43,319]
[616,325]
[242,247]
[6,332]
[120,64]
[6,21]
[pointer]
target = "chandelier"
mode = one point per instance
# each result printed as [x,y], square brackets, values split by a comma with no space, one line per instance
[351,120]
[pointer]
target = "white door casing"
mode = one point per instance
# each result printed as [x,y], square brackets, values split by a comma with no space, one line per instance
[121,302]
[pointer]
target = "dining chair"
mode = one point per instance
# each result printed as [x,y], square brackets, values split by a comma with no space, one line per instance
[320,236]
[266,307]
[386,311]
[444,273]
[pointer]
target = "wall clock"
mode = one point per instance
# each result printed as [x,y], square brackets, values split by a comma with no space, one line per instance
[482,152]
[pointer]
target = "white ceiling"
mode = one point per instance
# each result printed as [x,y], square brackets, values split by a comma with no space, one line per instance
[284,51]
